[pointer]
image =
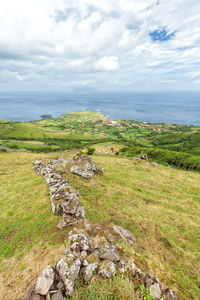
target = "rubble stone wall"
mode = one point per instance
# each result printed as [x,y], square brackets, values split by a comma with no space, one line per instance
[90,251]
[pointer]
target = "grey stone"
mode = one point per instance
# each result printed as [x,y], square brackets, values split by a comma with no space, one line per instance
[107,269]
[154,164]
[109,252]
[57,296]
[68,269]
[67,221]
[149,280]
[44,281]
[83,254]
[88,226]
[89,271]
[125,234]
[60,285]
[127,269]
[82,172]
[143,156]
[155,291]
[83,165]
[79,242]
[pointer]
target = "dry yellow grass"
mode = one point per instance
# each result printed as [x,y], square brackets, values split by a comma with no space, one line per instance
[18,276]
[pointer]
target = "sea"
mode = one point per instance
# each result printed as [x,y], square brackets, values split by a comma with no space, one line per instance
[167,107]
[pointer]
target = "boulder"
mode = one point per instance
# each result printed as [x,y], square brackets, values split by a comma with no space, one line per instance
[68,269]
[81,171]
[107,269]
[44,281]
[84,166]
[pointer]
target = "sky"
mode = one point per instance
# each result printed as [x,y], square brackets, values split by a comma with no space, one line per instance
[111,45]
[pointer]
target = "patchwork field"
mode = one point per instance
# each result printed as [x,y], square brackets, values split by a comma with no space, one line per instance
[177,145]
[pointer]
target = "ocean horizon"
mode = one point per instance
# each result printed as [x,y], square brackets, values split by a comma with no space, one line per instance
[173,107]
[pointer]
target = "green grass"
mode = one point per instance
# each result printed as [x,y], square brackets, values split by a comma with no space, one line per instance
[82,129]
[160,205]
[99,289]
[25,211]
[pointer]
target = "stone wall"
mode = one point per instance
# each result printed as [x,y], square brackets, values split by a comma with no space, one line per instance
[91,250]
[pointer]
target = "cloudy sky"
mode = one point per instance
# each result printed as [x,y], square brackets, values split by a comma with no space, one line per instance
[126,45]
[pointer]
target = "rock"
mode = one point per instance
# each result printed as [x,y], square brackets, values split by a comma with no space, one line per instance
[88,226]
[68,269]
[149,280]
[127,269]
[67,221]
[143,156]
[125,234]
[57,296]
[155,291]
[82,172]
[79,242]
[44,281]
[99,240]
[107,269]
[89,271]
[109,252]
[67,204]
[84,166]
[82,258]
[80,212]
[60,285]
[6,149]
[170,295]
[154,164]
[83,254]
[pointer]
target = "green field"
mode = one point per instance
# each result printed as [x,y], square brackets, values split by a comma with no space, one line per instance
[160,205]
[177,145]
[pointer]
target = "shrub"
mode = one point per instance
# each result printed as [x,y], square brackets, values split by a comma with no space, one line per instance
[90,151]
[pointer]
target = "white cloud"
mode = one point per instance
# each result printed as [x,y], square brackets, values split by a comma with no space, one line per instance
[108,63]
[193,75]
[62,41]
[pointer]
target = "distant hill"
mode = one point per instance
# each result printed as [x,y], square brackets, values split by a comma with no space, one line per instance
[177,145]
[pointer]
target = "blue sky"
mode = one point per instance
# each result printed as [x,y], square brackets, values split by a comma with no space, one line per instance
[124,45]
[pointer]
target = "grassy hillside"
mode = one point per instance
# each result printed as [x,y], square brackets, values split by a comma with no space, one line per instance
[178,145]
[160,205]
